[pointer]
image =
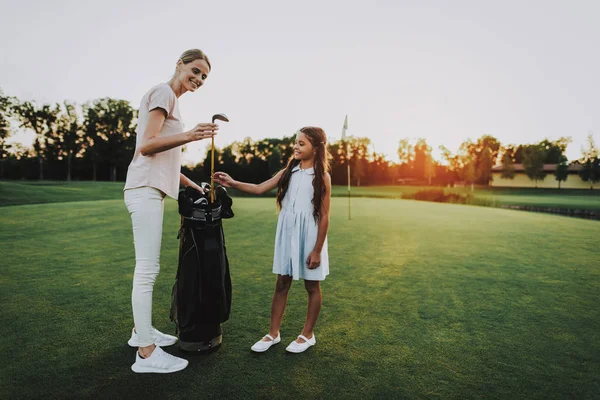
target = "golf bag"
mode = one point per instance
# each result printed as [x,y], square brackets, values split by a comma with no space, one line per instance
[201,296]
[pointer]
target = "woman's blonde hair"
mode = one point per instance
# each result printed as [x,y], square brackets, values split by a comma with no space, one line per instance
[194,54]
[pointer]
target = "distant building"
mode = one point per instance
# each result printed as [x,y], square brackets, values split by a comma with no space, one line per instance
[520,179]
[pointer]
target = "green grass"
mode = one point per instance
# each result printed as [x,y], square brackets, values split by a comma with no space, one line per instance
[424,300]
[34,192]
[552,198]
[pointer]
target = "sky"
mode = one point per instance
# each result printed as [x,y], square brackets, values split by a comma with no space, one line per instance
[445,71]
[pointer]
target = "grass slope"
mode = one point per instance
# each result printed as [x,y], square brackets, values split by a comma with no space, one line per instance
[424,300]
[34,192]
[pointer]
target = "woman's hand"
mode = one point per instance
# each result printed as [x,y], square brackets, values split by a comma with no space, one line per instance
[314,259]
[224,179]
[198,188]
[203,131]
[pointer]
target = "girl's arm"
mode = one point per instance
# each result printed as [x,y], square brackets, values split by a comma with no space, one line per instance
[314,258]
[185,181]
[224,179]
[152,144]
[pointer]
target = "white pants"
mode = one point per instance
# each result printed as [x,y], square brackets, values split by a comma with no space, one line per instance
[146,205]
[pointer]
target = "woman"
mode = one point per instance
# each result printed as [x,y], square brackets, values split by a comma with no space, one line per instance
[155,172]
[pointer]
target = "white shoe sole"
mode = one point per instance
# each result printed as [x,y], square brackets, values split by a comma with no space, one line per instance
[147,370]
[262,350]
[298,351]
[135,343]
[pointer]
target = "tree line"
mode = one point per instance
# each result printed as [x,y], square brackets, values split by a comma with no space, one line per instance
[96,141]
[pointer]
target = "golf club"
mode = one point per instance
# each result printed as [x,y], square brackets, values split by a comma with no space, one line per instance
[220,117]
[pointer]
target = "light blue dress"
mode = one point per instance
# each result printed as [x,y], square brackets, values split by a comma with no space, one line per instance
[297,231]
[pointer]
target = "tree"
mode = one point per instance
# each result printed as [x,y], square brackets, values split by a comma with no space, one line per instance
[423,164]
[430,167]
[406,155]
[274,161]
[454,165]
[467,162]
[518,154]
[492,143]
[69,132]
[470,172]
[421,153]
[562,170]
[508,166]
[592,150]
[6,104]
[415,160]
[533,162]
[379,170]
[275,152]
[483,153]
[590,171]
[339,174]
[555,150]
[91,122]
[359,153]
[485,164]
[110,126]
[42,120]
[252,158]
[406,152]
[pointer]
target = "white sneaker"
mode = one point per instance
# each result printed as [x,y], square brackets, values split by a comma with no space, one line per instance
[296,347]
[159,362]
[261,346]
[160,339]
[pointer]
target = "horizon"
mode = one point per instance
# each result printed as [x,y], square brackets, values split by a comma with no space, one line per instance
[446,73]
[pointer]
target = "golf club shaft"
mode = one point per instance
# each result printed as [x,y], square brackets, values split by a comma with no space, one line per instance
[212,171]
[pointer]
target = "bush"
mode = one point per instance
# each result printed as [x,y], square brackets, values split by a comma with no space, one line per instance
[438,196]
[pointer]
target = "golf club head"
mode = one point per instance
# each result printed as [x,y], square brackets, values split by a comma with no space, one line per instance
[220,117]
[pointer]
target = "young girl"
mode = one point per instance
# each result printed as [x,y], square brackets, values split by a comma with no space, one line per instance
[303,196]
[154,172]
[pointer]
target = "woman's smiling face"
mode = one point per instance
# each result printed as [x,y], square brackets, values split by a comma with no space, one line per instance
[193,74]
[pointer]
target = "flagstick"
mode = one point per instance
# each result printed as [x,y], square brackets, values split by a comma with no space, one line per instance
[347,160]
[349,214]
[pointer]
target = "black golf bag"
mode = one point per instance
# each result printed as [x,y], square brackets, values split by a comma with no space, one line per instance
[201,296]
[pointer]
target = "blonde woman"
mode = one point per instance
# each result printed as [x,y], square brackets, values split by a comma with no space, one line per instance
[155,172]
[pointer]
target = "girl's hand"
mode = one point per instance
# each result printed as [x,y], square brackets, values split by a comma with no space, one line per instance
[224,179]
[203,131]
[314,260]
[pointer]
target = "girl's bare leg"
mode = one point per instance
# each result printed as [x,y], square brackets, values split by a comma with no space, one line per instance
[282,287]
[314,308]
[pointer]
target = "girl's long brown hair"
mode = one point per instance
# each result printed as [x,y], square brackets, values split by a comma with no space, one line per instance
[318,139]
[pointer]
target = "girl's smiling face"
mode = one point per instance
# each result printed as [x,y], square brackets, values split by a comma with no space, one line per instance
[303,148]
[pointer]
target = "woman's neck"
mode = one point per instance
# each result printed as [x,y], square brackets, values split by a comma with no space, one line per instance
[306,164]
[177,87]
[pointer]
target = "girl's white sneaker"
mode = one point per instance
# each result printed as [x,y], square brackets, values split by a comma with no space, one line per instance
[161,339]
[159,362]
[262,346]
[296,347]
